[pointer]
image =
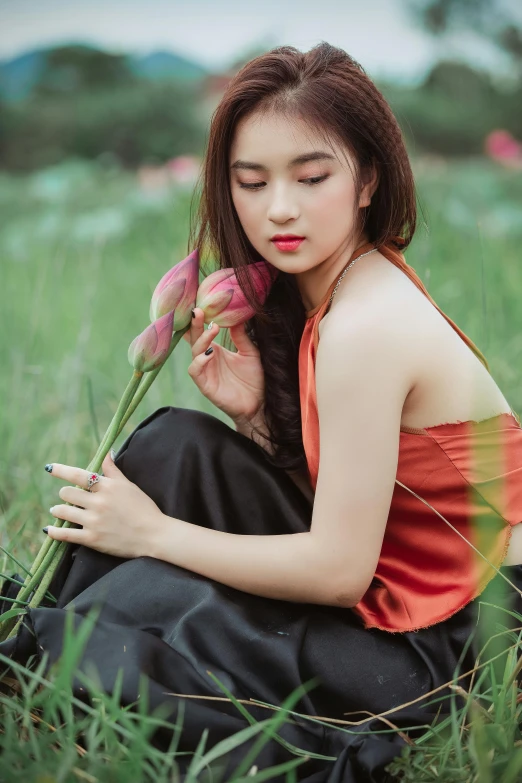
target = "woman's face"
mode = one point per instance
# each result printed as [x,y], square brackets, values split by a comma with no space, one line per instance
[273,194]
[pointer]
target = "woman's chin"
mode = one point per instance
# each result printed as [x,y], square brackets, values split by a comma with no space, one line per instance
[292,264]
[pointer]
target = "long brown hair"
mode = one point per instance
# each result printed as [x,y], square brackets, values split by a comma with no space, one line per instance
[332,92]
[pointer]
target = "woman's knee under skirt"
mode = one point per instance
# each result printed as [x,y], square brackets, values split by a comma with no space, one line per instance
[175,625]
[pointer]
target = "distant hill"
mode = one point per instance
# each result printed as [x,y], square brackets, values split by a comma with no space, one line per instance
[19,74]
[167,65]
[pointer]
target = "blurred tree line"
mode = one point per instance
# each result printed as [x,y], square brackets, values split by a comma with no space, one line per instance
[454,109]
[492,21]
[457,105]
[86,102]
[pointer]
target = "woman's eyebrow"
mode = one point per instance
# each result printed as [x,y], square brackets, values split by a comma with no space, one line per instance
[245,164]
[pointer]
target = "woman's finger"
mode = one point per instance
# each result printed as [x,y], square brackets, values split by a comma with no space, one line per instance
[76,496]
[70,534]
[198,365]
[187,336]
[77,476]
[203,342]
[197,326]
[68,514]
[241,340]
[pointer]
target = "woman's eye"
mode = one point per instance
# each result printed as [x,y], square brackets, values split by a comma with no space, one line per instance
[258,185]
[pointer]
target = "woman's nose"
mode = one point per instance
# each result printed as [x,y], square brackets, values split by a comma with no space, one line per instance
[282,207]
[281,212]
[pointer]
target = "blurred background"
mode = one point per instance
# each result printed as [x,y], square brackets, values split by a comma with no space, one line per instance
[104,114]
[134,86]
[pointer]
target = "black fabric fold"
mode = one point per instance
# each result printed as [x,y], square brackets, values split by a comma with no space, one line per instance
[172,625]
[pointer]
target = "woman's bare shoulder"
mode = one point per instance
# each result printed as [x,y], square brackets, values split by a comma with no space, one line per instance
[381,294]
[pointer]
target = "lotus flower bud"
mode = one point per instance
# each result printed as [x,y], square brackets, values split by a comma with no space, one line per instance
[177,291]
[223,301]
[150,348]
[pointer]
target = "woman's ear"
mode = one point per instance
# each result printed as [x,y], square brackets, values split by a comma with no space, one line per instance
[370,178]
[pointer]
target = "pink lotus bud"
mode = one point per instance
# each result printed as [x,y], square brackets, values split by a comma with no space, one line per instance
[150,348]
[223,301]
[177,291]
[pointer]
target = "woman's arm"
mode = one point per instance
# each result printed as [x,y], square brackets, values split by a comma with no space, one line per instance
[362,382]
[289,567]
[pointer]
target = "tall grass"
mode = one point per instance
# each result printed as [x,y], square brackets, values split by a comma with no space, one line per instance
[81,249]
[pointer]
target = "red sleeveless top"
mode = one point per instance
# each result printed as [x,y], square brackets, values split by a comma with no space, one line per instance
[469,472]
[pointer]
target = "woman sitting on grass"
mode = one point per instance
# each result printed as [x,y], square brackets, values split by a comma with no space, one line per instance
[343,532]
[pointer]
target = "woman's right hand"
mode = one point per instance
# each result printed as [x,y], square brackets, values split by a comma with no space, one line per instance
[234,382]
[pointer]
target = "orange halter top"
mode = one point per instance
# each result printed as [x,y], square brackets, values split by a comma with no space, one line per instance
[469,472]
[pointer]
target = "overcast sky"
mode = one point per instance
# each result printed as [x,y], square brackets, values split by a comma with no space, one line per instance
[378,33]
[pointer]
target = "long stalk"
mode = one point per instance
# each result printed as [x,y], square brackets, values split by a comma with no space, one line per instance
[114,427]
[6,627]
[42,560]
[107,441]
[56,556]
[50,554]
[149,379]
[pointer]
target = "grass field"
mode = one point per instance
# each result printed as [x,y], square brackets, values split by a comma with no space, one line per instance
[81,250]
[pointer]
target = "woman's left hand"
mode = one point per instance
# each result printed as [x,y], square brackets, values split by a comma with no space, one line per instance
[117,517]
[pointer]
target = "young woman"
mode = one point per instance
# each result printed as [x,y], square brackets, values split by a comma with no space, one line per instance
[347,528]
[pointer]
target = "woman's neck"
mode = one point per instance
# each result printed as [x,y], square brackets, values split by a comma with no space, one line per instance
[313,284]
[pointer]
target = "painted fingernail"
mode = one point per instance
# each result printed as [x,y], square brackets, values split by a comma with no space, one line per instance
[208,351]
[211,324]
[113,455]
[193,313]
[45,529]
[49,468]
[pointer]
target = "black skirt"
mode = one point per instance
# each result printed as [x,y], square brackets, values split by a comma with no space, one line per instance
[174,625]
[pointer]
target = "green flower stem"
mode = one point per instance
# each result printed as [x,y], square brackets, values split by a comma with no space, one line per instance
[7,628]
[114,427]
[40,556]
[51,551]
[95,464]
[56,556]
[48,558]
[29,581]
[42,559]
[150,378]
[26,590]
[51,563]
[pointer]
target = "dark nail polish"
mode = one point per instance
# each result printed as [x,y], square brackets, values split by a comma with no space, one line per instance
[208,351]
[45,529]
[49,468]
[193,313]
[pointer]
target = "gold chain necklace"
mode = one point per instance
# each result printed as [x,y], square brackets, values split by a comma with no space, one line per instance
[343,274]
